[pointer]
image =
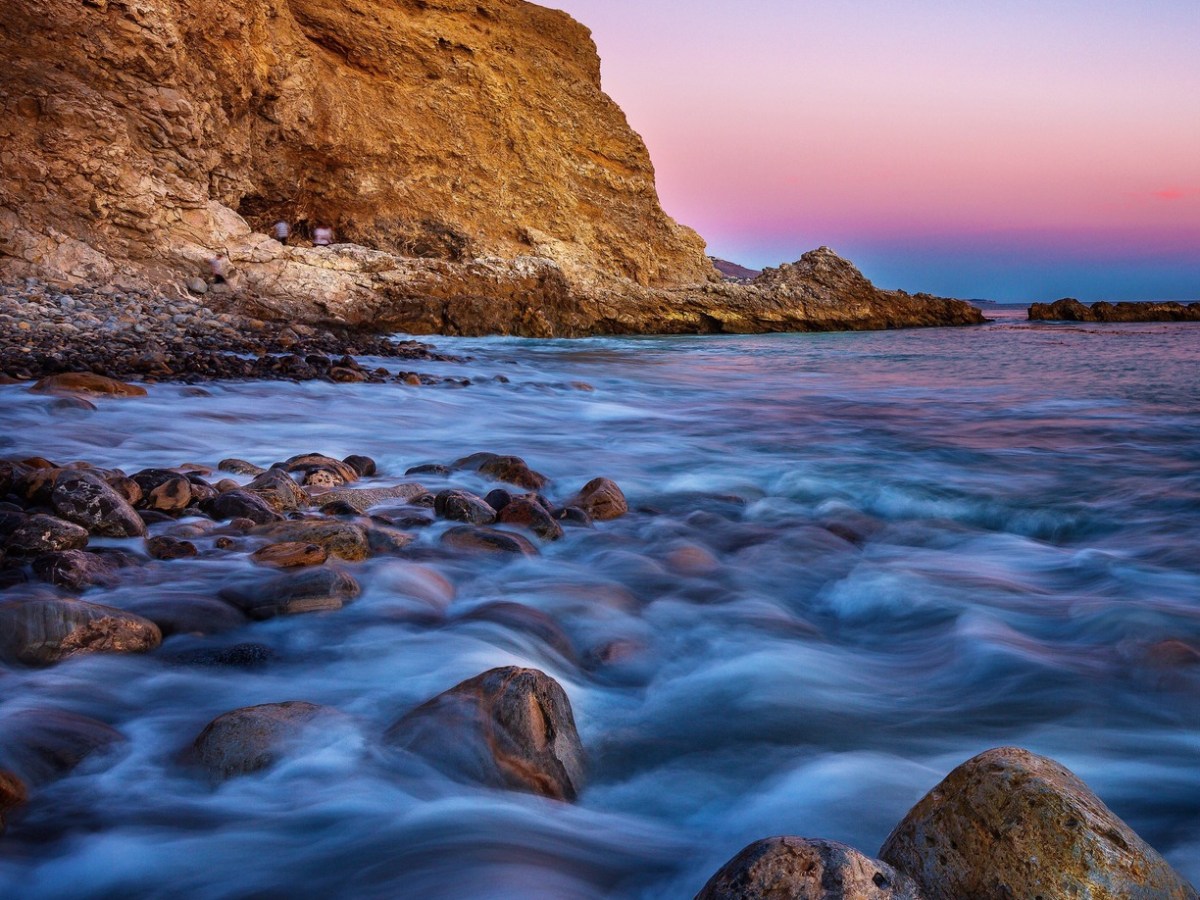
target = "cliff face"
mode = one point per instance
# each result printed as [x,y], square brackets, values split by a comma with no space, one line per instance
[477,176]
[140,130]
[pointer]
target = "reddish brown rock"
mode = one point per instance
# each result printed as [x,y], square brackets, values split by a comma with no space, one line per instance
[163,490]
[463,506]
[508,727]
[165,547]
[487,540]
[514,470]
[280,492]
[87,383]
[794,868]
[345,540]
[290,555]
[255,738]
[305,591]
[1009,824]
[533,516]
[13,793]
[75,570]
[41,632]
[601,499]
[42,533]
[240,504]
[1069,309]
[362,499]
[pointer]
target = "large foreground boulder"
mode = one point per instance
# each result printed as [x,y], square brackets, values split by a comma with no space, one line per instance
[794,868]
[88,500]
[255,737]
[44,631]
[509,727]
[1009,824]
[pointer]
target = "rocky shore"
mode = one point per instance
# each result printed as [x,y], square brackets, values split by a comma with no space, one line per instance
[1070,310]
[1005,824]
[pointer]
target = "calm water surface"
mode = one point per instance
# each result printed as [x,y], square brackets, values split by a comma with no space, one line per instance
[856,560]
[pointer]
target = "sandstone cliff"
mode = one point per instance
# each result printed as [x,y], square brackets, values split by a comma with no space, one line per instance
[463,151]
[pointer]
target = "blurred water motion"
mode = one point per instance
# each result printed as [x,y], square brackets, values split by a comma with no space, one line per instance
[854,561]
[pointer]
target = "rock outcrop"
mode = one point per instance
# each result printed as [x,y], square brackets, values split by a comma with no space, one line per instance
[464,151]
[1069,309]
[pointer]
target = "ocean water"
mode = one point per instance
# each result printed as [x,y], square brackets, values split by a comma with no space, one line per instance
[854,561]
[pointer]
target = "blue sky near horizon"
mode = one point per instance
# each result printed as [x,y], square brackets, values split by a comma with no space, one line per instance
[1016,151]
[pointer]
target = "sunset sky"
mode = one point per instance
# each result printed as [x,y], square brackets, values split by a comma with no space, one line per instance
[1017,150]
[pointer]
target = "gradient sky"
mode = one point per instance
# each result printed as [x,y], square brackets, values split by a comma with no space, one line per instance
[1016,150]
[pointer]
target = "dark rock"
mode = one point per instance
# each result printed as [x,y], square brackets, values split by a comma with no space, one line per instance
[498,499]
[339,508]
[42,533]
[307,462]
[240,467]
[41,632]
[514,470]
[87,500]
[601,499]
[75,570]
[153,517]
[533,516]
[487,540]
[242,656]
[280,492]
[165,547]
[573,515]
[345,540]
[290,555]
[254,738]
[979,832]
[363,465]
[13,793]
[362,499]
[474,461]
[431,469]
[41,745]
[463,506]
[183,614]
[1071,310]
[509,727]
[387,541]
[519,617]
[163,490]
[126,487]
[240,504]
[310,590]
[793,868]
[87,383]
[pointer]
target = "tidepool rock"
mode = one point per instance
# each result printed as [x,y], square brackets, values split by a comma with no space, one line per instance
[76,570]
[363,465]
[340,472]
[344,540]
[290,555]
[601,499]
[514,470]
[41,631]
[1010,824]
[463,506]
[794,868]
[533,516]
[86,499]
[362,499]
[240,504]
[42,533]
[487,540]
[87,383]
[13,793]
[311,590]
[256,737]
[509,727]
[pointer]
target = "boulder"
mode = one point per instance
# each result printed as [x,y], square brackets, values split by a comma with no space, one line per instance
[363,465]
[86,499]
[509,727]
[42,534]
[387,541]
[239,467]
[75,570]
[166,547]
[280,492]
[1011,824]
[255,737]
[795,868]
[87,383]
[290,555]
[533,516]
[513,470]
[13,793]
[463,506]
[601,499]
[45,631]
[487,540]
[310,590]
[341,472]
[163,490]
[345,540]
[240,504]
[363,499]
[40,745]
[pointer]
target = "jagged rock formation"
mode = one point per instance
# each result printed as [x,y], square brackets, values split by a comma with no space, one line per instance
[1069,309]
[464,151]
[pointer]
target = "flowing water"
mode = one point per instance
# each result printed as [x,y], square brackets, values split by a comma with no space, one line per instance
[854,561]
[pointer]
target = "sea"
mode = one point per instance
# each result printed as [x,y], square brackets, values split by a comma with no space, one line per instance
[852,562]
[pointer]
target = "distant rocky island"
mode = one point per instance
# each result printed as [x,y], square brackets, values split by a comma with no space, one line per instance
[1071,310]
[474,175]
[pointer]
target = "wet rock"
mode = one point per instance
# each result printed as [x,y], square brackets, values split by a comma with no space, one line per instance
[463,506]
[429,469]
[163,490]
[239,467]
[345,540]
[487,540]
[87,383]
[280,492]
[387,541]
[574,516]
[126,487]
[290,555]
[184,614]
[41,745]
[310,590]
[87,500]
[601,499]
[498,499]
[225,485]
[1009,824]
[243,656]
[519,617]
[343,472]
[41,533]
[75,570]
[363,465]
[13,793]
[509,727]
[805,869]
[513,470]
[533,516]
[165,547]
[41,632]
[254,738]
[474,460]
[361,500]
[240,504]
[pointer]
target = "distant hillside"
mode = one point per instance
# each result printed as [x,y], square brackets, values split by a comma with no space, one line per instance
[733,271]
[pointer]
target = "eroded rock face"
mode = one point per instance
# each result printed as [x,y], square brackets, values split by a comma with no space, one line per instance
[509,727]
[255,737]
[806,869]
[1009,823]
[42,632]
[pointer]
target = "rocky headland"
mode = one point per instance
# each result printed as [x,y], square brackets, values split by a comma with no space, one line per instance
[476,177]
[1069,309]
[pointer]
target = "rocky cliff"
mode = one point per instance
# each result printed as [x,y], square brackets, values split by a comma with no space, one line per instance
[477,177]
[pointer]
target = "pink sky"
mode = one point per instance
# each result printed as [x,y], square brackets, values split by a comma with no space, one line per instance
[1016,150]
